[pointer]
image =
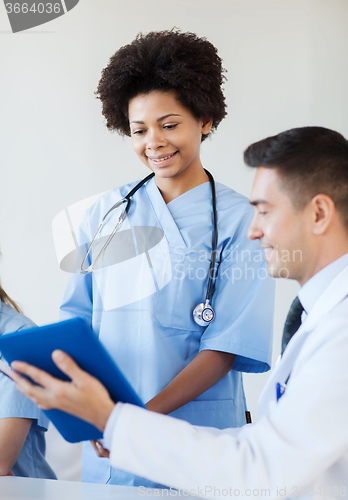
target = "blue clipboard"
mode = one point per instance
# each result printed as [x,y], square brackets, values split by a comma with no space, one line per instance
[35,346]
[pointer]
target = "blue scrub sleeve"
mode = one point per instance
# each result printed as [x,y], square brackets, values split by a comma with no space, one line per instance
[14,405]
[12,402]
[244,302]
[78,296]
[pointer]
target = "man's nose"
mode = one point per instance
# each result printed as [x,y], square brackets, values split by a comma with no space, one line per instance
[254,231]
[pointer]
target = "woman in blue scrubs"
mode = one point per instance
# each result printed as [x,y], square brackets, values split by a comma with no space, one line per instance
[164,91]
[22,424]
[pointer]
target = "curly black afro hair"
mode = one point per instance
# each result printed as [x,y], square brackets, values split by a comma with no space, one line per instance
[164,60]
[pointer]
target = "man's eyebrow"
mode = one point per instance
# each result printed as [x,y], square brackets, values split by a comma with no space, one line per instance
[259,202]
[158,119]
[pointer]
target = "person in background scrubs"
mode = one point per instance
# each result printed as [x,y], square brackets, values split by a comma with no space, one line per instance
[164,91]
[22,424]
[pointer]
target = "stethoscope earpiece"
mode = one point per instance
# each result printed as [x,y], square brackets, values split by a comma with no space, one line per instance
[203,314]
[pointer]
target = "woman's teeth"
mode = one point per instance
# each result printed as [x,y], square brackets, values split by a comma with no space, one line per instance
[158,160]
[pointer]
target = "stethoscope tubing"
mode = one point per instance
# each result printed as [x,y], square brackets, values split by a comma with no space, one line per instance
[127,200]
[212,270]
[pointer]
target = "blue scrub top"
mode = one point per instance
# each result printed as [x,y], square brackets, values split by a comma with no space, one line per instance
[140,297]
[31,461]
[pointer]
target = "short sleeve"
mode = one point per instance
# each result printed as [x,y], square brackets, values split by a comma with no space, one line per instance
[12,403]
[78,296]
[244,303]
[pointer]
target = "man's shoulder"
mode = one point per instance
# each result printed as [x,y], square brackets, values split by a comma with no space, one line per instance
[338,316]
[333,326]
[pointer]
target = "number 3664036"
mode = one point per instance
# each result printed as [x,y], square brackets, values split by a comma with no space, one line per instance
[34,8]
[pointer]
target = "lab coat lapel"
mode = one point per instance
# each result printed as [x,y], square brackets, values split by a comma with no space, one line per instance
[280,373]
[164,216]
[333,295]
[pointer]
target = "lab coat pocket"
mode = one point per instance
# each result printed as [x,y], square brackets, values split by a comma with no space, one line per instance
[219,413]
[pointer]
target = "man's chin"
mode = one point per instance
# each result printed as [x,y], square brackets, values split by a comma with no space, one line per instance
[278,272]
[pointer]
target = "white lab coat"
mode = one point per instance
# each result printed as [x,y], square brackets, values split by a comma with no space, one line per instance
[298,446]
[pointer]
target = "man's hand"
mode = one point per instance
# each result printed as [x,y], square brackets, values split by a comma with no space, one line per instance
[85,397]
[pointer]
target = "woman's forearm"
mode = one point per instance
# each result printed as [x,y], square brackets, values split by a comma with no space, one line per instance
[207,368]
[13,433]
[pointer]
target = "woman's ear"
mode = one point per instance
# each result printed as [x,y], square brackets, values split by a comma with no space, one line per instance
[323,210]
[206,125]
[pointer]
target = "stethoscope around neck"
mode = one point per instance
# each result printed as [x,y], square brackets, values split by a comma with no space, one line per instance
[203,313]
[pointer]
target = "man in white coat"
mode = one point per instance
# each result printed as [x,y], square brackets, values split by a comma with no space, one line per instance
[298,446]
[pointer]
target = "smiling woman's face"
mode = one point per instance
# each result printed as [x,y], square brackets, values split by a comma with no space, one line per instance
[165,134]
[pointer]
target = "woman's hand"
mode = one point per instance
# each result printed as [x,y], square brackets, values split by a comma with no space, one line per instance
[100,450]
[85,397]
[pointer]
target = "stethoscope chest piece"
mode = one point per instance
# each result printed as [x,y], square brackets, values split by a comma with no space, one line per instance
[203,314]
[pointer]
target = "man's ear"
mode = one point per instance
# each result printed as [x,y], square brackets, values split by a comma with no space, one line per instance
[206,125]
[323,210]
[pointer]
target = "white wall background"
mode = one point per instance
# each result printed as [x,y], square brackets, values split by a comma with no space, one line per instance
[287,67]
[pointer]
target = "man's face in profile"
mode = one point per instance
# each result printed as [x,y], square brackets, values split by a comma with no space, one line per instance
[283,231]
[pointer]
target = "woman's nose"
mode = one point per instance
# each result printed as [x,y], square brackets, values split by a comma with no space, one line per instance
[155,139]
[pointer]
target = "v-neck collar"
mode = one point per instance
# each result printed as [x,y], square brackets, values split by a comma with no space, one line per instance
[194,195]
[163,214]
